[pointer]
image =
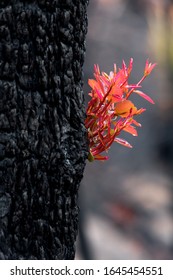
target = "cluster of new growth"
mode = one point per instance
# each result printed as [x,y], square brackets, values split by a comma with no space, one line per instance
[110,110]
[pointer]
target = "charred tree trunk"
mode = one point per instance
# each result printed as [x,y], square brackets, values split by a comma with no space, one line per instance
[42,135]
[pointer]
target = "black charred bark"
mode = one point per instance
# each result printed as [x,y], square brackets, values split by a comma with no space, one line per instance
[42,135]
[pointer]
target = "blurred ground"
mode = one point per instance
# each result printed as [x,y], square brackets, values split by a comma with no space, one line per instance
[126,203]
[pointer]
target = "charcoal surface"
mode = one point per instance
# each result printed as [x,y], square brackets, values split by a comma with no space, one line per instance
[43,146]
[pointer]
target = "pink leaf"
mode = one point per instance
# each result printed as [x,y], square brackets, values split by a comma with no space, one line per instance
[130,129]
[145,96]
[123,142]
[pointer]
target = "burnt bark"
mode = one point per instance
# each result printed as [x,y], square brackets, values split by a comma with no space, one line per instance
[43,144]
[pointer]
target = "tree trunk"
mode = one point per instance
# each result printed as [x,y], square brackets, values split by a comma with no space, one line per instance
[43,144]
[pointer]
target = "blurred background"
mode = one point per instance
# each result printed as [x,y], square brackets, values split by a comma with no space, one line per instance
[126,203]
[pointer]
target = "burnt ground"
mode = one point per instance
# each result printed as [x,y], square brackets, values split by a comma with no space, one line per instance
[126,203]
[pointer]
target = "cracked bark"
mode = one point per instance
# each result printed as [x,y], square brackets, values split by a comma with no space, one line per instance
[42,135]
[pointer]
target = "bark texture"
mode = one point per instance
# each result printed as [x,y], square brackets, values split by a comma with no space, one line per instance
[42,136]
